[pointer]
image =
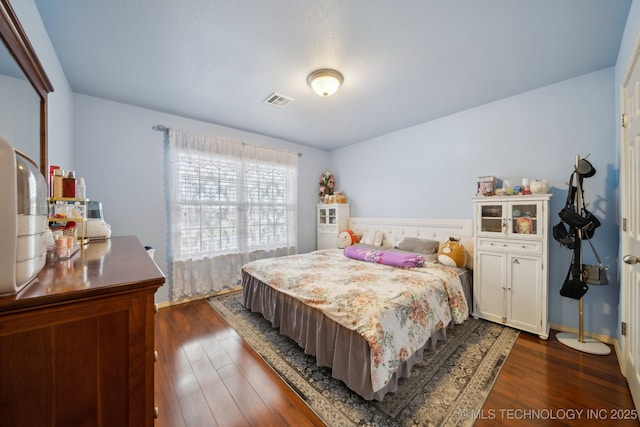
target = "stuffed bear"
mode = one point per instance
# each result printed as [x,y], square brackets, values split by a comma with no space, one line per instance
[452,253]
[524,225]
[347,238]
[539,186]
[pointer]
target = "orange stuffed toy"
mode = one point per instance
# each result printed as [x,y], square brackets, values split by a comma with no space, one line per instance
[347,238]
[452,253]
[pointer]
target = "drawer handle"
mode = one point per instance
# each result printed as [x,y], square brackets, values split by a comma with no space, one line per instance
[155,308]
[155,412]
[155,355]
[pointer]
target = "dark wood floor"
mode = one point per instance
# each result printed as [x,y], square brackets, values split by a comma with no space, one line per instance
[552,382]
[206,375]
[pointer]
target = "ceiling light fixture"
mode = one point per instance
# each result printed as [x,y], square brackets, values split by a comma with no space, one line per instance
[325,82]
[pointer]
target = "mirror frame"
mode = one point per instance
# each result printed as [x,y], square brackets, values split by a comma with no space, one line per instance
[17,43]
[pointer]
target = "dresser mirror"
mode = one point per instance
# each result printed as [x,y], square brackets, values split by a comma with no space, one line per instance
[24,87]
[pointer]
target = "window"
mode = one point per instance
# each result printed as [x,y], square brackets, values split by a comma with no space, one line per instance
[231,206]
[228,203]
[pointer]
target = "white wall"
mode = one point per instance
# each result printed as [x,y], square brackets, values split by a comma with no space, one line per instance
[430,170]
[121,159]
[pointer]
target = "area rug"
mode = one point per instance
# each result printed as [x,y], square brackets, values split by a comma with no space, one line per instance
[445,389]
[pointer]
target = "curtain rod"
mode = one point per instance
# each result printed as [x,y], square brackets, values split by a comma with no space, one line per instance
[160,128]
[163,128]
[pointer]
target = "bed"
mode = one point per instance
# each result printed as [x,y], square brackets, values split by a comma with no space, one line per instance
[325,301]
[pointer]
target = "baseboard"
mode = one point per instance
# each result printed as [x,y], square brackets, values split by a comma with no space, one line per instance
[165,304]
[602,338]
[619,355]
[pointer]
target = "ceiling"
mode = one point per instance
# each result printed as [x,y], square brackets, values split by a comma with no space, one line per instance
[404,62]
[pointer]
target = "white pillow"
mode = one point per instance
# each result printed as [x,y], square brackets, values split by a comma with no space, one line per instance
[379,237]
[374,238]
[367,237]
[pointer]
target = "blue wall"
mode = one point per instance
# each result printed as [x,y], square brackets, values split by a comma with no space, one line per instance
[430,170]
[121,159]
[114,148]
[60,101]
[423,171]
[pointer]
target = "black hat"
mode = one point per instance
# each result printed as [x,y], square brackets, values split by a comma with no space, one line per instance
[585,169]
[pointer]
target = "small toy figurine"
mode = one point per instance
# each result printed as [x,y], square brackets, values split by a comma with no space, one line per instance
[524,225]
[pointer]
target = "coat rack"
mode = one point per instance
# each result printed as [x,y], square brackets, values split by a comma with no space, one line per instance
[579,342]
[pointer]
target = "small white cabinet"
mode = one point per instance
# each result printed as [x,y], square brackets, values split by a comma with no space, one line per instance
[511,268]
[331,220]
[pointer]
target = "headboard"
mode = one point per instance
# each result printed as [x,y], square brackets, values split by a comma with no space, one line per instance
[396,229]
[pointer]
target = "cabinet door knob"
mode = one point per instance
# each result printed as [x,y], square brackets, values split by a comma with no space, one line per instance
[156,412]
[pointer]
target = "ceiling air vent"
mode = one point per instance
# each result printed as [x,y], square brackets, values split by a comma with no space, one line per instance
[278,100]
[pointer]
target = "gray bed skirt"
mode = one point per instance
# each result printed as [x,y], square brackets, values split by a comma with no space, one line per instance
[344,351]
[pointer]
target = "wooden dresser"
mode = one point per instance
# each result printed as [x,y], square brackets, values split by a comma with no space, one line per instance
[77,344]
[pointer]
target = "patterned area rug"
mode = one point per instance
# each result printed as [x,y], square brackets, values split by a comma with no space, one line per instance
[452,381]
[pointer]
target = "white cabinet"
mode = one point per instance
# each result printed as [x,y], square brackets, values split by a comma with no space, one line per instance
[511,216]
[511,268]
[331,220]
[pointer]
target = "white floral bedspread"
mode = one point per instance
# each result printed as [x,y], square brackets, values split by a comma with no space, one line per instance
[396,310]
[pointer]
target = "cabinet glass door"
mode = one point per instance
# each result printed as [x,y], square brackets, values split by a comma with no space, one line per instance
[491,218]
[331,216]
[322,216]
[327,216]
[524,218]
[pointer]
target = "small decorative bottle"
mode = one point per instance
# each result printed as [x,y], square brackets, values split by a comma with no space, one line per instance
[81,189]
[57,183]
[69,185]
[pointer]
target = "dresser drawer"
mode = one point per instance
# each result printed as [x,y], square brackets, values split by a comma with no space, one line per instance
[328,230]
[505,245]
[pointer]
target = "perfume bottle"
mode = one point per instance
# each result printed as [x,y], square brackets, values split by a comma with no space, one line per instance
[69,185]
[81,189]
[57,183]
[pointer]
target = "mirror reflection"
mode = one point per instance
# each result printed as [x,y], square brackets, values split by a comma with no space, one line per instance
[19,108]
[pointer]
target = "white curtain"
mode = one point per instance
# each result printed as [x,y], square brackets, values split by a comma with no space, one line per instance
[228,203]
